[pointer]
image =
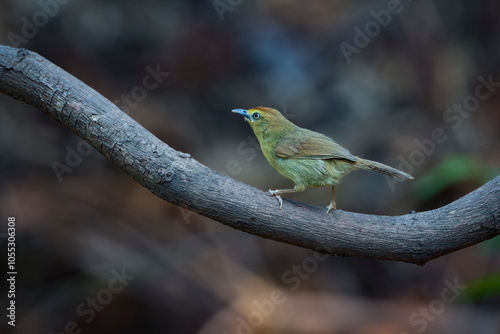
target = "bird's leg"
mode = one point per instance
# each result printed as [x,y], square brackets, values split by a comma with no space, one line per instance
[332,205]
[276,193]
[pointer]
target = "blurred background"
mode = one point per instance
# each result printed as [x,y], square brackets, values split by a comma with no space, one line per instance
[97,253]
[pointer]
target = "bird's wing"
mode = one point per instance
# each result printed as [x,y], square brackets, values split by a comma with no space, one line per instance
[316,146]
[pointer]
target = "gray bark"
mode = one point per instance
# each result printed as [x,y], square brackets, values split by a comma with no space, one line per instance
[179,179]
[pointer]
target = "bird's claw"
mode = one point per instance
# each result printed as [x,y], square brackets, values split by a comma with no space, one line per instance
[330,207]
[275,193]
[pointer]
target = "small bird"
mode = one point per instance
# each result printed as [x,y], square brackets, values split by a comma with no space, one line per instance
[308,158]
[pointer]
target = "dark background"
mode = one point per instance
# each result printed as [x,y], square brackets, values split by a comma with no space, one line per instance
[194,275]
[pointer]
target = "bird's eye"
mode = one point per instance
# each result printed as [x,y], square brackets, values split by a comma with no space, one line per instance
[256,115]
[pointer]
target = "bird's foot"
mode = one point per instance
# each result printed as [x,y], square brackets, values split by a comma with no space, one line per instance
[276,194]
[331,206]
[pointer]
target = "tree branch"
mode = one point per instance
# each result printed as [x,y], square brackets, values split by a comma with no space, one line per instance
[183,181]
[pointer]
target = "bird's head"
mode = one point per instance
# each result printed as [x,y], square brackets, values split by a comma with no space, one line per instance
[265,120]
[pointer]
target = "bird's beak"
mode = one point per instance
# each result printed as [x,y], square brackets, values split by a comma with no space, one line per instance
[242,112]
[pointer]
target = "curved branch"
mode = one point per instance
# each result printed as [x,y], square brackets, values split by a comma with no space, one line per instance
[183,181]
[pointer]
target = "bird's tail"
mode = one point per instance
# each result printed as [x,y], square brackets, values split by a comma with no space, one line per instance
[381,168]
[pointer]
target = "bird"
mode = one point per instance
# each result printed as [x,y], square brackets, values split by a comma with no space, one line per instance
[308,158]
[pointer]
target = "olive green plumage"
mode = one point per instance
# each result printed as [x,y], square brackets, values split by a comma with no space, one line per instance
[308,158]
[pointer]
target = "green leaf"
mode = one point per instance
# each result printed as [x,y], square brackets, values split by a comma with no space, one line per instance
[481,288]
[453,170]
